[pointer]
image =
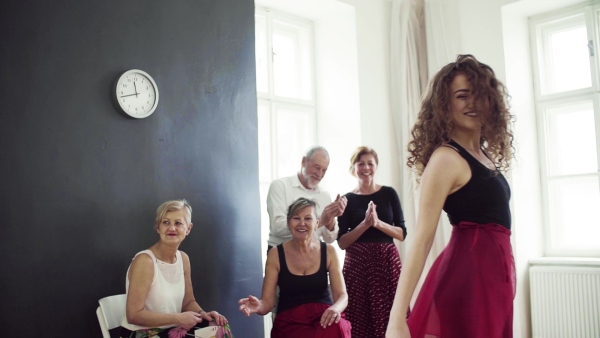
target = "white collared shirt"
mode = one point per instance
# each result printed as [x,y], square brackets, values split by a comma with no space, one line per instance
[282,193]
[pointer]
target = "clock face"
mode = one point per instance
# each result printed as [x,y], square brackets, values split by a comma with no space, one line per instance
[137,93]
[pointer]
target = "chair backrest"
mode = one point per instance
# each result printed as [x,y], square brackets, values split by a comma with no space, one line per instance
[110,312]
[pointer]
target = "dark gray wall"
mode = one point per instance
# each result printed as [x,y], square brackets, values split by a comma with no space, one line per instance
[81,182]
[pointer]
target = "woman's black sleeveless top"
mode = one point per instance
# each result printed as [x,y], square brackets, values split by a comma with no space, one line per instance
[484,199]
[296,290]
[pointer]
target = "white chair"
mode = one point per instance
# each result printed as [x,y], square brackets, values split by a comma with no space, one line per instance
[110,312]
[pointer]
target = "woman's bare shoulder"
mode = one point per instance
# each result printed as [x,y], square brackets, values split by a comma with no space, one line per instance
[184,256]
[142,258]
[273,255]
[142,263]
[331,250]
[444,156]
[446,169]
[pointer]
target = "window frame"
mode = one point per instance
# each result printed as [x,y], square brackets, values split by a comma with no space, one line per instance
[272,100]
[271,15]
[275,102]
[591,15]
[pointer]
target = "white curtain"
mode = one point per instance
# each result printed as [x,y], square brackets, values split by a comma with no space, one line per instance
[423,35]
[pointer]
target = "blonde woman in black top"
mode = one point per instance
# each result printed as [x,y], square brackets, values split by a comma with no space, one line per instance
[300,268]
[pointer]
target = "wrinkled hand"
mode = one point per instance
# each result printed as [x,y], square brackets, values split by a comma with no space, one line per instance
[217,317]
[330,316]
[249,305]
[342,202]
[189,319]
[334,209]
[397,329]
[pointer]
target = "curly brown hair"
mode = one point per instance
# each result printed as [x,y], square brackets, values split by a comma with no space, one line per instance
[434,123]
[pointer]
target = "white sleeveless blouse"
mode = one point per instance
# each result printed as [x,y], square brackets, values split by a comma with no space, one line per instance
[167,289]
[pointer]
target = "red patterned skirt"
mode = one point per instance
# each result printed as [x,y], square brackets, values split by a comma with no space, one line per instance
[304,321]
[371,272]
[470,288]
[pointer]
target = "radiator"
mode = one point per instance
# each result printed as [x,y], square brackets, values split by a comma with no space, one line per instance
[565,301]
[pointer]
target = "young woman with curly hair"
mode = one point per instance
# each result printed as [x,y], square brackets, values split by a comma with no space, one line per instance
[461,144]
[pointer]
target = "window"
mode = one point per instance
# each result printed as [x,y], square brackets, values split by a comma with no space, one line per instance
[565,65]
[286,99]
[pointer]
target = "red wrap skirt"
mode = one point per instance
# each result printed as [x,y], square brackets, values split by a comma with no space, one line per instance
[470,288]
[304,321]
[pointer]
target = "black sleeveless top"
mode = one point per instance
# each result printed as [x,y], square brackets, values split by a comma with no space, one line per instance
[484,199]
[296,290]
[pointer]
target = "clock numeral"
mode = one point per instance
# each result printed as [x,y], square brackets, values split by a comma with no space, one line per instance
[124,85]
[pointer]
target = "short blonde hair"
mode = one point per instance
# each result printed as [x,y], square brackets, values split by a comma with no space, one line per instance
[172,206]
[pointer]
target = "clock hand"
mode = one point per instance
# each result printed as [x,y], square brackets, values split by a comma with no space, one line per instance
[135,87]
[129,95]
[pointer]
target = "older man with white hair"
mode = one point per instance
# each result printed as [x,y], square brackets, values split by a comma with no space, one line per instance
[305,183]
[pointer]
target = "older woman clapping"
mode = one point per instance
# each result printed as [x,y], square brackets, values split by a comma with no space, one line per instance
[372,220]
[300,267]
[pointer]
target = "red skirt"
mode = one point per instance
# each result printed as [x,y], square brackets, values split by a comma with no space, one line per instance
[470,288]
[371,272]
[304,321]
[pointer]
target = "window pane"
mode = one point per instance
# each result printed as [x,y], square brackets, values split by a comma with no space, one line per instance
[294,130]
[574,213]
[564,55]
[264,142]
[291,60]
[569,128]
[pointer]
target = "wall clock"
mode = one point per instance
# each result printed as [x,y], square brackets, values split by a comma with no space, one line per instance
[137,93]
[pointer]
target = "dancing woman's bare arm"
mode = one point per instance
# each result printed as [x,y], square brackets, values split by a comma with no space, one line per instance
[445,173]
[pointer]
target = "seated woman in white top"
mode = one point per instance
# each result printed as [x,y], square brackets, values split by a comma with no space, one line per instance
[159,288]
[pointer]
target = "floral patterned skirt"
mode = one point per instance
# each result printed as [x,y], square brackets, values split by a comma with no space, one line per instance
[169,332]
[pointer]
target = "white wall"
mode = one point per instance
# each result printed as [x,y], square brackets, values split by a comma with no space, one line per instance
[338,110]
[373,35]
